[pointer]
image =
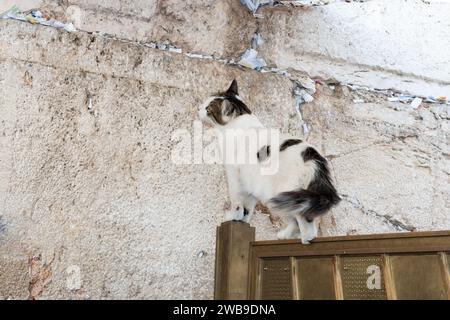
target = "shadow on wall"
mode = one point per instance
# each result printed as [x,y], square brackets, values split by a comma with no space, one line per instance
[2,225]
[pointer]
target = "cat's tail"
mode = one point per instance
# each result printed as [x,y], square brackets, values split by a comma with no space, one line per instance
[317,198]
[308,203]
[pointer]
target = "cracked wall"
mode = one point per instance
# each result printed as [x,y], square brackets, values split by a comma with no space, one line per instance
[391,162]
[399,44]
[92,207]
[383,44]
[86,176]
[220,28]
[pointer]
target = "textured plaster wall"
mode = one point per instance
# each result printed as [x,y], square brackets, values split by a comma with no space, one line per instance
[23,4]
[91,205]
[400,44]
[391,163]
[223,28]
[86,174]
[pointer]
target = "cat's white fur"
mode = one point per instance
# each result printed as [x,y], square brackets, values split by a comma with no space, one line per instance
[247,185]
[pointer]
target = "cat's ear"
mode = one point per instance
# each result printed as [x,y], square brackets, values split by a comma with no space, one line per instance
[233,89]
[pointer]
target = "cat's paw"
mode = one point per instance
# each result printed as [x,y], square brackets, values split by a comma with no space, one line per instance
[247,215]
[307,239]
[237,215]
[308,231]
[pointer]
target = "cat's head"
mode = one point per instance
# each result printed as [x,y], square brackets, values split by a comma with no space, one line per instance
[221,108]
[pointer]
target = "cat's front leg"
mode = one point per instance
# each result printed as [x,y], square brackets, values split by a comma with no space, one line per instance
[249,207]
[234,190]
[237,214]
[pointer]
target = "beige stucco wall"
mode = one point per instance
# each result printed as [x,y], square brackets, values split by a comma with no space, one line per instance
[96,188]
[400,44]
[91,205]
[221,28]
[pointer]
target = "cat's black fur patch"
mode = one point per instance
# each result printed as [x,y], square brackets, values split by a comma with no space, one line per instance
[238,107]
[233,89]
[235,108]
[312,154]
[263,153]
[214,111]
[228,102]
[289,143]
[317,198]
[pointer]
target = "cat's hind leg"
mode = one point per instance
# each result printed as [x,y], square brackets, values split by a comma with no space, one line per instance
[236,197]
[308,230]
[291,228]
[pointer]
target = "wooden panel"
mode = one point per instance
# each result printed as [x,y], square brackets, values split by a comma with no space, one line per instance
[315,278]
[362,278]
[294,279]
[350,257]
[389,278]
[232,257]
[337,278]
[448,262]
[254,276]
[418,277]
[276,282]
[445,269]
[435,241]
[379,236]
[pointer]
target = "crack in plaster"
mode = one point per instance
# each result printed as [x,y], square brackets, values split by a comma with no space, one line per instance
[388,219]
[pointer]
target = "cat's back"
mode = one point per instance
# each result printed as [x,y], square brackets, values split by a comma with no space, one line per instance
[293,171]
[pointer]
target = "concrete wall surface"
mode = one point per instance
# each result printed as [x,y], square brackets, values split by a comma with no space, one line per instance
[383,44]
[91,203]
[400,44]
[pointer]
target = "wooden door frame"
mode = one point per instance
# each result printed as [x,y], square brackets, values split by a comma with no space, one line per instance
[239,256]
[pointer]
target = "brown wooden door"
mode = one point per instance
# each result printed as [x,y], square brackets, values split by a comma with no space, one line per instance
[411,265]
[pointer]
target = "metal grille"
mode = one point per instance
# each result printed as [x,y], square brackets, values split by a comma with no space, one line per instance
[276,281]
[362,278]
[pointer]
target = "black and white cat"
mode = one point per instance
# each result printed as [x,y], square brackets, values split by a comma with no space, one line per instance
[299,191]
